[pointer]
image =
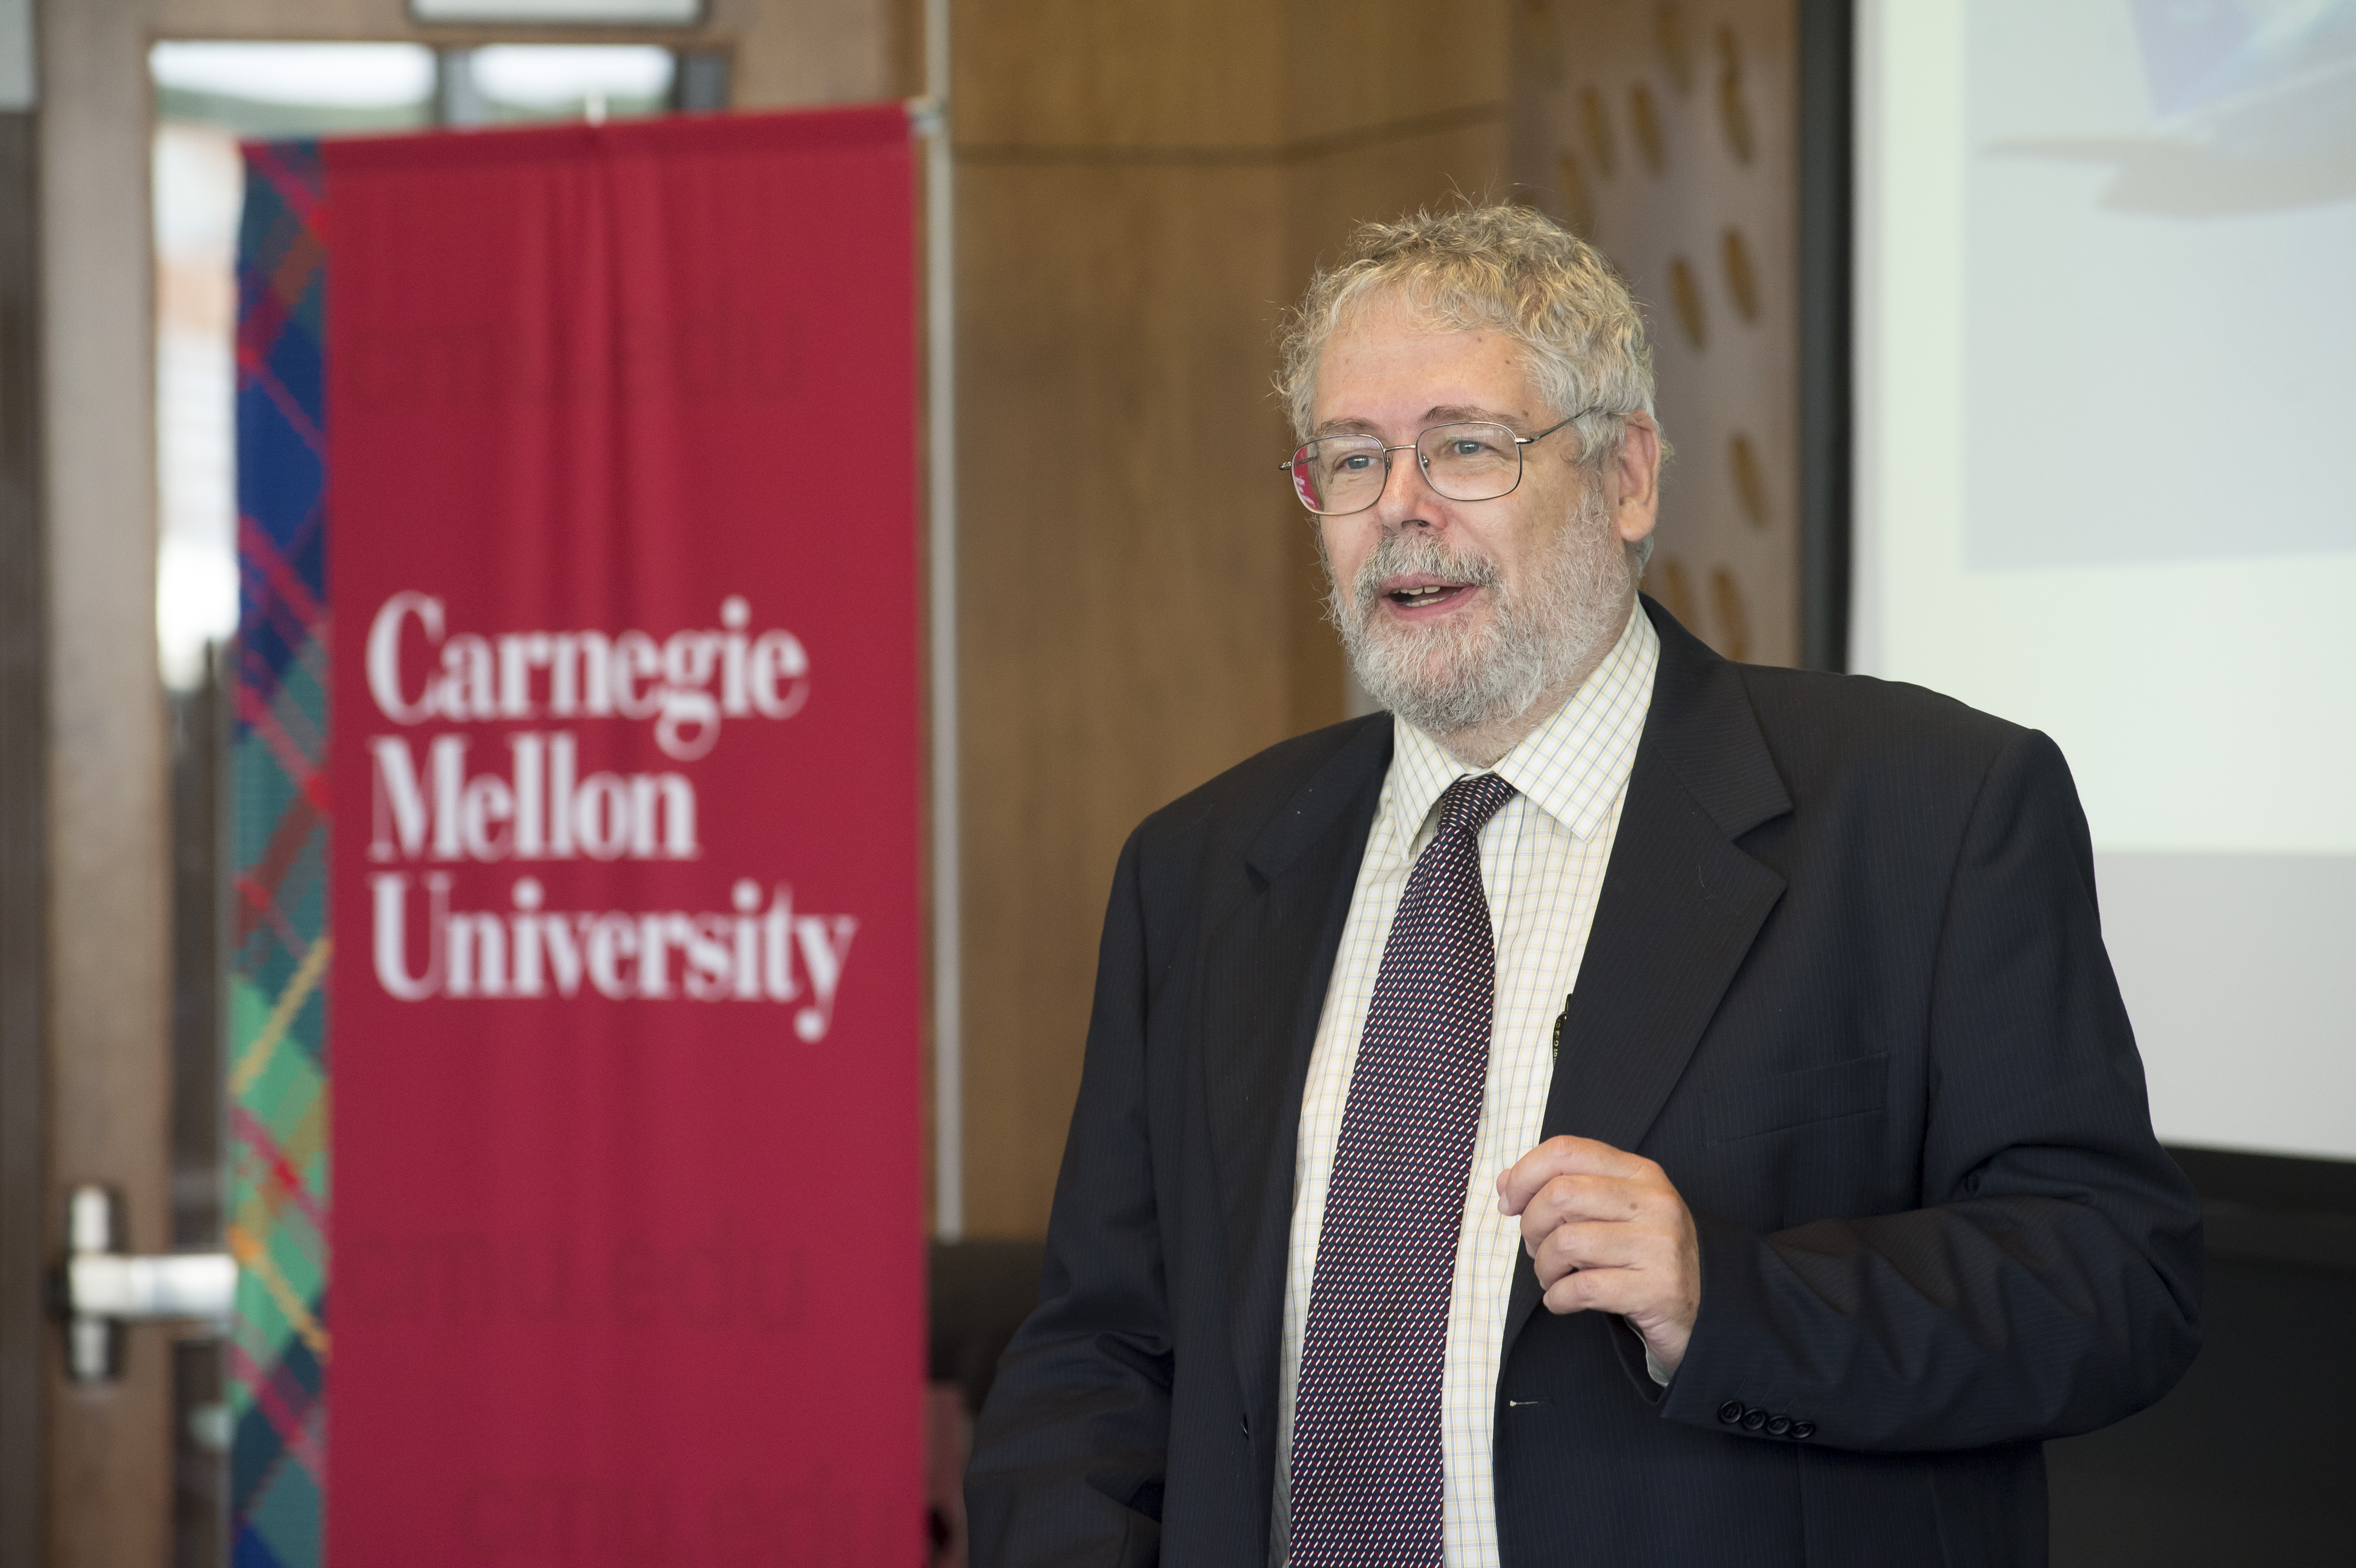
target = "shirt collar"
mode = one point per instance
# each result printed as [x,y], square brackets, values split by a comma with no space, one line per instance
[1571,767]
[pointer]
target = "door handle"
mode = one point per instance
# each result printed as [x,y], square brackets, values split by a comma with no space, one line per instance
[104,1289]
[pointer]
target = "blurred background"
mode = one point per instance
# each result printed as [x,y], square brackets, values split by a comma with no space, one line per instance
[2006,346]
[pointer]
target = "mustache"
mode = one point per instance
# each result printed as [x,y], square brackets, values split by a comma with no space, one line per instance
[1402,553]
[1448,676]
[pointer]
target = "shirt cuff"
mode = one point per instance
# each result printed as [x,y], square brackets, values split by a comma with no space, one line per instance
[1653,1367]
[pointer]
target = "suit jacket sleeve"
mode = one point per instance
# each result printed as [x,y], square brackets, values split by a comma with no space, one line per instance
[2052,1282]
[1070,1449]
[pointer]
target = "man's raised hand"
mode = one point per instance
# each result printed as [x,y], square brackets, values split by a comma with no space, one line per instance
[1608,1233]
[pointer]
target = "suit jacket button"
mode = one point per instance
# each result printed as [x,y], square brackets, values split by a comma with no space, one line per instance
[1731,1412]
[1803,1430]
[1778,1425]
[1753,1420]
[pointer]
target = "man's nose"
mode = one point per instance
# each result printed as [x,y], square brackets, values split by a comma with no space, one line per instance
[1407,499]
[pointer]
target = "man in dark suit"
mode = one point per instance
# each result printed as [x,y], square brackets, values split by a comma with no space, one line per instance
[1826,1197]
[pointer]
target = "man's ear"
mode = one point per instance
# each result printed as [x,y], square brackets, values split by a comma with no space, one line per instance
[1635,481]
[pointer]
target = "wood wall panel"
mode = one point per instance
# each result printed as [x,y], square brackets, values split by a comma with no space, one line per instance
[1123,586]
[1100,75]
[1140,194]
[1245,76]
[1357,73]
[1668,134]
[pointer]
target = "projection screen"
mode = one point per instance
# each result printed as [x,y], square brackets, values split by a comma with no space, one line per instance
[2105,323]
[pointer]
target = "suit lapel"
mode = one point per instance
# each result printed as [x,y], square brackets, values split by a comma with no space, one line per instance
[1264,974]
[1680,908]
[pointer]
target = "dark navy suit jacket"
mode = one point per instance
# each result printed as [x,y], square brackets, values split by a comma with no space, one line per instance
[1845,983]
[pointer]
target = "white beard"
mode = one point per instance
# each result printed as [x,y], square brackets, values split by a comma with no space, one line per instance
[1455,675]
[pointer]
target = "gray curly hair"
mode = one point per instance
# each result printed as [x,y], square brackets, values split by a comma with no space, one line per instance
[1504,267]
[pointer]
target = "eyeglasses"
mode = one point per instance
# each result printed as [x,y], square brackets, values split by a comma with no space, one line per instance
[1475,460]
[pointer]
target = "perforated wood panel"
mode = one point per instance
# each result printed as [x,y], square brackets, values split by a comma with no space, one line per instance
[1665,133]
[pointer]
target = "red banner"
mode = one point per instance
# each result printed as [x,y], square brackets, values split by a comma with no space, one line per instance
[626,1205]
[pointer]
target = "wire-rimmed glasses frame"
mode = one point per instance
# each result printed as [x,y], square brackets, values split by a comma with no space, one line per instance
[1306,489]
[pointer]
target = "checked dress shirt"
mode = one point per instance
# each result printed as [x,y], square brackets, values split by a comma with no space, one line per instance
[1543,855]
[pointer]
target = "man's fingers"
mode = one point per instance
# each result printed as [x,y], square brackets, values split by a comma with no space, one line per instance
[1644,1284]
[1561,1157]
[1619,1290]
[1599,1245]
[1570,1199]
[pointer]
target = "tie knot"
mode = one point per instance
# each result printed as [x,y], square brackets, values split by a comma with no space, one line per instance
[1472,801]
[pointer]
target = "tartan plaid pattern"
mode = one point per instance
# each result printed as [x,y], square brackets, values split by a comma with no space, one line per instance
[279,962]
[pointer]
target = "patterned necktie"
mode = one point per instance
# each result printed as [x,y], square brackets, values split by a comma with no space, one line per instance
[1365,1429]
